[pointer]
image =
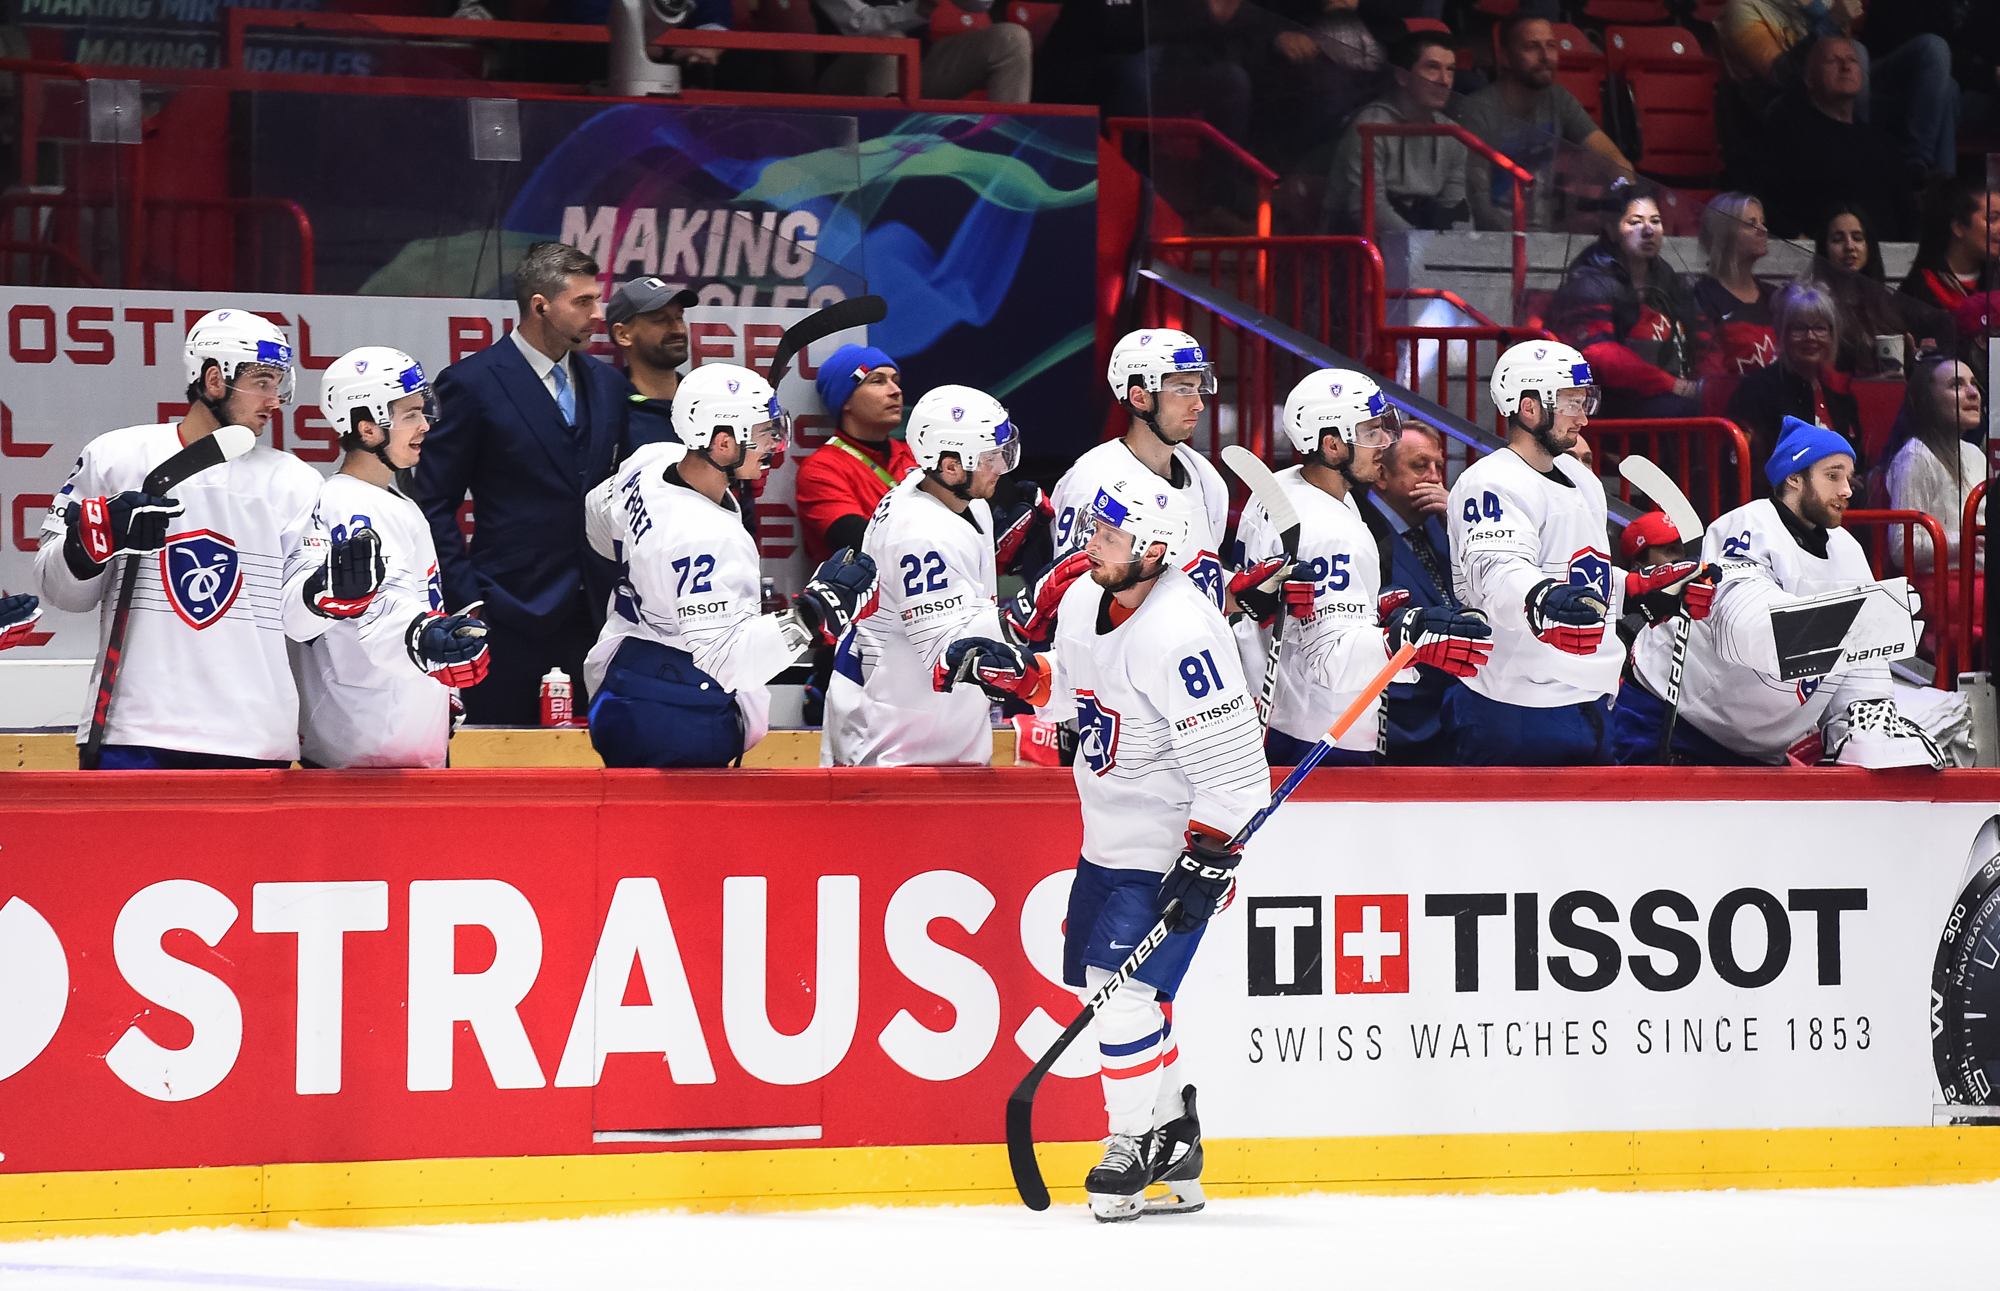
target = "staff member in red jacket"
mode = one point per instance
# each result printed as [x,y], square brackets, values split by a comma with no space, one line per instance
[839,485]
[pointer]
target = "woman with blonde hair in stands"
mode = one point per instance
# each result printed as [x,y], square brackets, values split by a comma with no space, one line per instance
[1733,239]
[1931,466]
[1804,382]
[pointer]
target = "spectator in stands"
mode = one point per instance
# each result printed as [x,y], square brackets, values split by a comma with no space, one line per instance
[1328,65]
[1648,541]
[1850,264]
[1096,53]
[1628,311]
[998,59]
[1817,151]
[1419,182]
[839,484]
[1402,512]
[1525,115]
[1763,44]
[1920,49]
[529,424]
[1955,257]
[1932,467]
[647,327]
[1804,382]
[1733,239]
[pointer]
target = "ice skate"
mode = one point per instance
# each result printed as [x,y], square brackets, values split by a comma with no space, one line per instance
[1174,1157]
[1117,1187]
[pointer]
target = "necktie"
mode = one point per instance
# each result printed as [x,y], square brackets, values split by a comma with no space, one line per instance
[1420,543]
[565,397]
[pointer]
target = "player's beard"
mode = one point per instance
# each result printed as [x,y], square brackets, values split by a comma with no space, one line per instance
[1135,574]
[1544,432]
[1814,509]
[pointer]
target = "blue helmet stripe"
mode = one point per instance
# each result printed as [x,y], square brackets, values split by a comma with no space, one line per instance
[1191,356]
[275,353]
[1002,433]
[412,378]
[1579,374]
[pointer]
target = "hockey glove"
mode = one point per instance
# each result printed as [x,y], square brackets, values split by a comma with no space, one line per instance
[841,592]
[348,577]
[100,528]
[1032,613]
[1568,616]
[1003,671]
[1204,879]
[450,647]
[1458,641]
[1021,529]
[17,618]
[1262,589]
[1663,591]
[1389,603]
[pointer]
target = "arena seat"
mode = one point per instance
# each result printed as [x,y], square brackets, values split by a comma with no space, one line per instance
[1626,11]
[949,20]
[1663,94]
[1037,18]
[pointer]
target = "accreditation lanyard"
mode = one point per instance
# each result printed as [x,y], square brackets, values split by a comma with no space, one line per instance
[862,458]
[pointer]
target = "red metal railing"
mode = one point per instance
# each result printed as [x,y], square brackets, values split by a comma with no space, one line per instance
[173,243]
[1971,580]
[10,248]
[1937,595]
[1193,128]
[1715,444]
[1373,131]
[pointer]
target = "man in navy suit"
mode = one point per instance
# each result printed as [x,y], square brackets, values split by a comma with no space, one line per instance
[529,425]
[1403,510]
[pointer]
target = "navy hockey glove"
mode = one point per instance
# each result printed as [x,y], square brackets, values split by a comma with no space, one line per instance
[1032,613]
[1002,670]
[450,647]
[1262,589]
[1458,641]
[1663,591]
[1021,529]
[1568,616]
[100,528]
[1204,879]
[348,576]
[17,618]
[841,592]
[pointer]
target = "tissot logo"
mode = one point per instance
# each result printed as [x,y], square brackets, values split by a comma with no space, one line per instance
[1285,946]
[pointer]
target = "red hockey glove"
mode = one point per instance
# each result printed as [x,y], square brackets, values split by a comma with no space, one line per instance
[1260,588]
[1032,613]
[1663,591]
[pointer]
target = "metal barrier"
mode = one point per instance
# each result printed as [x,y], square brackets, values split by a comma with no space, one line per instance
[54,255]
[1971,609]
[1194,128]
[1937,596]
[170,244]
[1727,452]
[1370,133]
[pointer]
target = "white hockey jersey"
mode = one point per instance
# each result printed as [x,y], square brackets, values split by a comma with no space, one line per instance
[1511,527]
[205,667]
[1167,731]
[1730,689]
[1108,462]
[363,701]
[689,578]
[937,580]
[1323,664]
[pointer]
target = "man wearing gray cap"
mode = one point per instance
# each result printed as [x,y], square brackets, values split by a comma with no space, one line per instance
[646,326]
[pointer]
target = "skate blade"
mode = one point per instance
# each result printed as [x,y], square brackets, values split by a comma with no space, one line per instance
[1181,1197]
[1114,1208]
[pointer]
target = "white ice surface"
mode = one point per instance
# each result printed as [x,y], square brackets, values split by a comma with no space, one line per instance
[1891,1237]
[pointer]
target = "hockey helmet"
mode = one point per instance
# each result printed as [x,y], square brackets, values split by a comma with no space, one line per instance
[1544,369]
[968,422]
[1150,510]
[1334,399]
[724,397]
[368,380]
[1151,355]
[237,340]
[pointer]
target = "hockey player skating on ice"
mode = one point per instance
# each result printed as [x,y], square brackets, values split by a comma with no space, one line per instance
[205,678]
[1527,527]
[680,674]
[1735,709]
[1340,423]
[375,689]
[1168,768]
[890,701]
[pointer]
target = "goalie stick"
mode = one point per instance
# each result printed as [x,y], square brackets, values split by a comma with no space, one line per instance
[226,445]
[1265,488]
[1021,1103]
[1650,480]
[855,311]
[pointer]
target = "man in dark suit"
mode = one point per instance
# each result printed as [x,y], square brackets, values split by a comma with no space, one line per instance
[1402,511]
[529,425]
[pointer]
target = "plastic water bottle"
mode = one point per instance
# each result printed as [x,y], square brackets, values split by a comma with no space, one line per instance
[557,707]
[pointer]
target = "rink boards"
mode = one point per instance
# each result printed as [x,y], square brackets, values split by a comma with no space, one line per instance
[388,997]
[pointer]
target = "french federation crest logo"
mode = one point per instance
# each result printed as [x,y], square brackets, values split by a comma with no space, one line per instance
[1334,389]
[1541,353]
[361,365]
[1145,338]
[735,385]
[1590,568]
[1161,500]
[202,574]
[1096,733]
[958,414]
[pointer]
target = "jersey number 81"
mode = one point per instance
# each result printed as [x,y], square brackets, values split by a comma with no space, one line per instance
[1200,675]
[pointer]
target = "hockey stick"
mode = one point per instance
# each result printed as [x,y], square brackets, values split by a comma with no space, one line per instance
[1265,488]
[855,311]
[1650,480]
[226,445]
[1021,1103]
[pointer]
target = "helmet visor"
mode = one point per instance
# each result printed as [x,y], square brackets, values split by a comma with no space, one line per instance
[1378,432]
[999,460]
[265,378]
[405,411]
[770,437]
[1190,383]
[1577,401]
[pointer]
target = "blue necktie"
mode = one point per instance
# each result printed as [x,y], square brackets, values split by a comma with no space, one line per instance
[565,397]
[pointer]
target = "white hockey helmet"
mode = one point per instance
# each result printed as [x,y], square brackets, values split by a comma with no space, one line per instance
[961,420]
[1335,399]
[1150,510]
[237,339]
[723,396]
[1151,354]
[1542,369]
[369,379]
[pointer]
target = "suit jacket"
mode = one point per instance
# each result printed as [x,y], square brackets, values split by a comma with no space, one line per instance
[1414,708]
[499,435]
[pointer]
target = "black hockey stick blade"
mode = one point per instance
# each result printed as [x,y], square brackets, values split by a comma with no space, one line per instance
[226,445]
[855,311]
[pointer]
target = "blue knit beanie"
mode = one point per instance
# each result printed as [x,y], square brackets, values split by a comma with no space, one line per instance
[844,370]
[1800,444]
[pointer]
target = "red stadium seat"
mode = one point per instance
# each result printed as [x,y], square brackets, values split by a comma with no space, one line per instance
[1709,10]
[1578,53]
[1674,113]
[1496,8]
[1037,18]
[1608,11]
[1415,25]
[948,20]
[1659,48]
[1588,87]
